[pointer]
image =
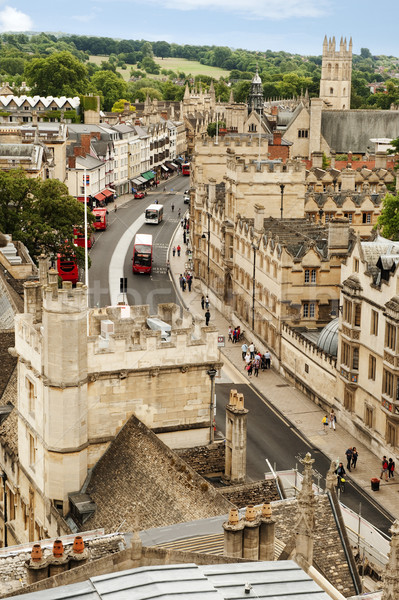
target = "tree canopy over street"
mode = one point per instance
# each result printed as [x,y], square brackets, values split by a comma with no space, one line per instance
[41,214]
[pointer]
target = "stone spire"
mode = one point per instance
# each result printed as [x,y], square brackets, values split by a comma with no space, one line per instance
[391,574]
[306,509]
[187,93]
[331,478]
[231,99]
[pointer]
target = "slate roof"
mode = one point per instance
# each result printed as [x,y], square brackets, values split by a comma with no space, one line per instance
[140,482]
[297,235]
[189,581]
[352,130]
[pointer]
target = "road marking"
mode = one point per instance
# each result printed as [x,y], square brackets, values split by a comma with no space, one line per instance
[115,271]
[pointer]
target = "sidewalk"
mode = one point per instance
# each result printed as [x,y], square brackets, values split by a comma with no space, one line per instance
[295,406]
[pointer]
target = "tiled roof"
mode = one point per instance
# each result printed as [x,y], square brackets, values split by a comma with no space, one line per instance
[35,100]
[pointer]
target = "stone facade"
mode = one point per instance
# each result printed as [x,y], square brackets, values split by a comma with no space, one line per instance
[336,72]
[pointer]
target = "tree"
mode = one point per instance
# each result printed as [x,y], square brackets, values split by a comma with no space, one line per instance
[143,92]
[388,220]
[41,214]
[161,49]
[60,74]
[150,66]
[119,106]
[110,86]
[211,129]
[146,49]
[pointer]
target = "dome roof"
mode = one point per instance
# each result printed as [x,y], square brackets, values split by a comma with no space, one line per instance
[328,338]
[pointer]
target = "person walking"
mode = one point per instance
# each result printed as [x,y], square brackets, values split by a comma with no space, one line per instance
[174,251]
[349,454]
[189,282]
[391,468]
[207,316]
[183,285]
[172,207]
[178,250]
[267,359]
[332,419]
[249,368]
[203,302]
[206,302]
[384,468]
[325,422]
[256,363]
[230,338]
[355,455]
[179,213]
[184,237]
[340,472]
[181,281]
[251,348]
[244,349]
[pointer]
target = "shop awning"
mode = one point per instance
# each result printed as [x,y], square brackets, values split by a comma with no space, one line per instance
[164,168]
[148,175]
[139,181]
[100,197]
[107,193]
[174,165]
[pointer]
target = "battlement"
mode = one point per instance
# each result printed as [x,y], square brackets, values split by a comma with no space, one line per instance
[250,166]
[67,299]
[331,51]
[233,141]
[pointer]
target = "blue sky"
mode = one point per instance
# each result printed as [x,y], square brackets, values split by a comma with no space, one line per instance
[291,25]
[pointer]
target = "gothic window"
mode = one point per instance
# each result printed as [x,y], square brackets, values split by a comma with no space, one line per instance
[374,323]
[372,367]
[369,416]
[391,433]
[331,91]
[349,216]
[336,70]
[329,70]
[390,336]
[348,400]
[303,133]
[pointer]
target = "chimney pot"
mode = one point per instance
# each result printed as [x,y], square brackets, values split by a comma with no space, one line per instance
[266,510]
[233,516]
[36,554]
[78,545]
[58,548]
[250,513]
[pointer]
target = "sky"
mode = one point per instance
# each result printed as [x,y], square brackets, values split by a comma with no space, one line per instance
[296,26]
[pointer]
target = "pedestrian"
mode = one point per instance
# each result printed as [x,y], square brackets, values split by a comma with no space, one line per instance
[340,472]
[325,422]
[184,237]
[251,348]
[164,189]
[183,285]
[174,251]
[249,368]
[244,349]
[256,363]
[267,359]
[179,213]
[178,250]
[181,281]
[384,469]
[203,302]
[333,419]
[185,222]
[115,208]
[189,282]
[206,301]
[355,455]
[391,468]
[247,359]
[172,207]
[235,335]
[230,338]
[207,316]
[182,222]
[349,454]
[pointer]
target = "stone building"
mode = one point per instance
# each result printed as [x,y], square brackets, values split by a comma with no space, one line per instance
[336,74]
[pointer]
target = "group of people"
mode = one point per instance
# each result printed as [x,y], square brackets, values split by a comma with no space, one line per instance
[351,458]
[176,248]
[185,279]
[329,420]
[387,468]
[234,334]
[205,307]
[255,360]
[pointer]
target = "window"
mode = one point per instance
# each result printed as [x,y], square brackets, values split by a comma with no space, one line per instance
[347,311]
[390,385]
[331,91]
[30,389]
[309,310]
[11,505]
[358,313]
[310,275]
[372,367]
[374,323]
[303,133]
[368,416]
[391,434]
[348,400]
[306,368]
[32,451]
[355,359]
[345,354]
[390,336]
[349,216]
[366,218]
[356,265]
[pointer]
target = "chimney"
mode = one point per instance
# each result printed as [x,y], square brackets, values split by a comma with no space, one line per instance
[277,135]
[381,160]
[72,162]
[164,114]
[317,160]
[332,159]
[78,151]
[338,236]
[274,111]
[266,533]
[33,300]
[79,555]
[85,140]
[34,117]
[37,568]
[43,269]
[233,533]
[348,177]
[251,534]
[236,439]
[58,562]
[259,218]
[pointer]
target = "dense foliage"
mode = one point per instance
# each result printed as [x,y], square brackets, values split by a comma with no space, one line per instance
[61,65]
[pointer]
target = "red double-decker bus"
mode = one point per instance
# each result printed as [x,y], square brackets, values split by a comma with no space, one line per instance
[142,253]
[185,169]
[100,223]
[79,237]
[67,268]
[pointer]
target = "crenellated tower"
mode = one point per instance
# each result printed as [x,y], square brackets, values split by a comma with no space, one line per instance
[336,74]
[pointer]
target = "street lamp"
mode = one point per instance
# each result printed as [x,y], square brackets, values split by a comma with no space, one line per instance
[282,186]
[254,248]
[208,235]
[212,375]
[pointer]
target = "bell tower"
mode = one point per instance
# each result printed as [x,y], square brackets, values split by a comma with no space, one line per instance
[336,74]
[255,97]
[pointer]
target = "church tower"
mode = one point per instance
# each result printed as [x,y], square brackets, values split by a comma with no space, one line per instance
[336,73]
[255,98]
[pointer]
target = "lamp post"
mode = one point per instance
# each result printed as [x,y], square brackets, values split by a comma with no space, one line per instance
[282,186]
[212,375]
[204,236]
[254,248]
[4,478]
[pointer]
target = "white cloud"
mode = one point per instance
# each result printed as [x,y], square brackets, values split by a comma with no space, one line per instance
[84,18]
[12,19]
[264,9]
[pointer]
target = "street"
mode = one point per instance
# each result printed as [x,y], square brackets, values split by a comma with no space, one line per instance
[271,436]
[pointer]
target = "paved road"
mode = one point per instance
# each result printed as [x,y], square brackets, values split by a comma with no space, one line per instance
[271,436]
[142,289]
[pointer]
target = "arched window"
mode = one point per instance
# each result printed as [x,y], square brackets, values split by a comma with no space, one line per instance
[331,91]
[336,70]
[329,70]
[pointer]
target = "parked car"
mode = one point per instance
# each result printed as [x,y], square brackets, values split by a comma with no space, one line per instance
[186,199]
[186,192]
[139,195]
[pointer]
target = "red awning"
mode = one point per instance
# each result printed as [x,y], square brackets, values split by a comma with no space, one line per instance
[107,193]
[100,197]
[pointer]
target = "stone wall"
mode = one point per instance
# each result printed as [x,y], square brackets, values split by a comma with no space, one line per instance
[251,493]
[205,460]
